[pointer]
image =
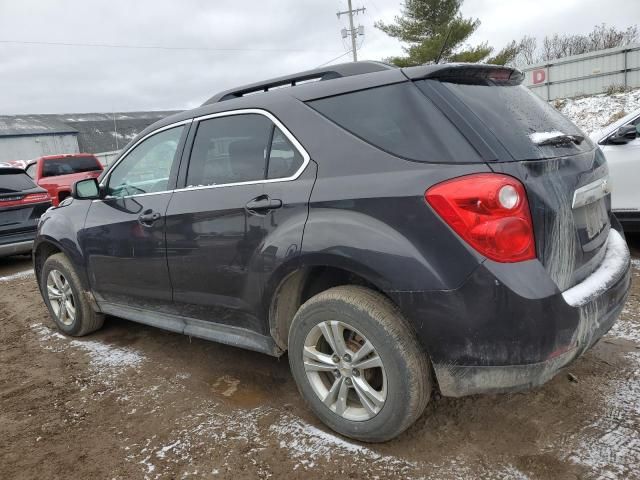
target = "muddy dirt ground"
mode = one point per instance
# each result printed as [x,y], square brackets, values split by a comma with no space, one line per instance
[134,402]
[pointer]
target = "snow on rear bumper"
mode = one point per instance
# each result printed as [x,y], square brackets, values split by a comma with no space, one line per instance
[596,302]
[613,267]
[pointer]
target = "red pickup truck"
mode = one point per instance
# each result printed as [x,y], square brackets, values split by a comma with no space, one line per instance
[58,173]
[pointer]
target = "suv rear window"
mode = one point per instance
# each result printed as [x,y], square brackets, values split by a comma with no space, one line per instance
[65,166]
[400,120]
[518,118]
[15,182]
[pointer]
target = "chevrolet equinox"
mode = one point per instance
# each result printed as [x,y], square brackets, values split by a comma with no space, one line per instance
[396,231]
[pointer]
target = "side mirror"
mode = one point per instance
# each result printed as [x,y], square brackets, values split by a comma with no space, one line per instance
[624,134]
[87,189]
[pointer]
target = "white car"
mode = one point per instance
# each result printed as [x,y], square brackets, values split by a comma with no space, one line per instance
[620,143]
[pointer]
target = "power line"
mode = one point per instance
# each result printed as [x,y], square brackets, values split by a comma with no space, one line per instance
[334,59]
[155,47]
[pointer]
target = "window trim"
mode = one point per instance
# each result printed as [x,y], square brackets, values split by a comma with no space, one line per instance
[107,175]
[246,111]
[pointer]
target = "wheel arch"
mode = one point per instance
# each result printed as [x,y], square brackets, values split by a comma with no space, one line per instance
[46,247]
[302,278]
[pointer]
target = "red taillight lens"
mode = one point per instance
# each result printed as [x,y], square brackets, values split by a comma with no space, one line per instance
[26,200]
[490,212]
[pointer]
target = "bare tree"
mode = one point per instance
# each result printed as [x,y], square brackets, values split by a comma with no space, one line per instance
[526,55]
[563,45]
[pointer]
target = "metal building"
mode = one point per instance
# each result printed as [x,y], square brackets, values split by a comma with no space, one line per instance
[23,137]
[31,136]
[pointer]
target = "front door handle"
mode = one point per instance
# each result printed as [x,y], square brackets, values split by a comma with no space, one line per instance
[263,203]
[148,218]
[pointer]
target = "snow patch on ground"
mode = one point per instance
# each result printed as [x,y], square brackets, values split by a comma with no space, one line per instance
[596,112]
[626,328]
[615,260]
[105,360]
[105,356]
[17,276]
[611,444]
[307,442]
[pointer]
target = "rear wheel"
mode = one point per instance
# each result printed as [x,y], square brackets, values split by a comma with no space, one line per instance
[358,364]
[65,299]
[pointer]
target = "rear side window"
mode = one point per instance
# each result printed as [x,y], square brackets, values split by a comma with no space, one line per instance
[65,166]
[15,182]
[229,149]
[519,119]
[284,158]
[241,148]
[400,120]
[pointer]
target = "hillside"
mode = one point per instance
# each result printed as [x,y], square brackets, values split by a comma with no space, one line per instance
[598,111]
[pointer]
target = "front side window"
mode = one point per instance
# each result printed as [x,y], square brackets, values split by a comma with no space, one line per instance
[147,167]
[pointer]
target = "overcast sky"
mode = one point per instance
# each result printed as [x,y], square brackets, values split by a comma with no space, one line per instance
[233,42]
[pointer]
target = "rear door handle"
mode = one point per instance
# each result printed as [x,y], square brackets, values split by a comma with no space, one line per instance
[262,204]
[149,218]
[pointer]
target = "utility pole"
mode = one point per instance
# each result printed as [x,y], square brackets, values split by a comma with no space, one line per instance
[352,31]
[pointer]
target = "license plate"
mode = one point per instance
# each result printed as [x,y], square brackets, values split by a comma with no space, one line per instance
[595,218]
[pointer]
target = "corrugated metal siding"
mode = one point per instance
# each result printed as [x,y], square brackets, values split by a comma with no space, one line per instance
[33,146]
[585,74]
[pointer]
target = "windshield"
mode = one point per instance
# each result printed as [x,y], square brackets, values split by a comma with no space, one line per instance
[527,126]
[68,165]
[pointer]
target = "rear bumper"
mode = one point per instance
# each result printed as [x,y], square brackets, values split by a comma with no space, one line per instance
[17,243]
[16,248]
[488,337]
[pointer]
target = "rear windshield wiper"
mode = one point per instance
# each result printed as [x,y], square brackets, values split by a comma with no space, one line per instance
[555,138]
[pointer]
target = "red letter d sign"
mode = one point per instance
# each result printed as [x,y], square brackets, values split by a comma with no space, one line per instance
[539,76]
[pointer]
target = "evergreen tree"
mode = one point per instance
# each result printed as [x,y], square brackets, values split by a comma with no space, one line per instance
[435,30]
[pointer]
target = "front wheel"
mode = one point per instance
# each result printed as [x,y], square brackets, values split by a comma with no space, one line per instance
[63,295]
[358,364]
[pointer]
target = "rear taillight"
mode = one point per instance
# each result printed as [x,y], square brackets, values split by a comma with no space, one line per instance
[490,212]
[24,200]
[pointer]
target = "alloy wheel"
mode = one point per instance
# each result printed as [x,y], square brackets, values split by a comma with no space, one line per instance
[61,297]
[345,371]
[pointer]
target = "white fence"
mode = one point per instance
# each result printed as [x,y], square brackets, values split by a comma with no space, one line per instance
[585,74]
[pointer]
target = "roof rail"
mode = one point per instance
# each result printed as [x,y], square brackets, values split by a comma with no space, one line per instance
[325,73]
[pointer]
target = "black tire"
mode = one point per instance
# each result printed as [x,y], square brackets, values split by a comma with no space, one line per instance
[86,320]
[408,373]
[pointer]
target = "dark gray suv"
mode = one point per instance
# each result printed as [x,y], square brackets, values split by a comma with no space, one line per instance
[396,231]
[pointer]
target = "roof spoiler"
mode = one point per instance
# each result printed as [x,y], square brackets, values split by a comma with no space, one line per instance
[317,74]
[467,73]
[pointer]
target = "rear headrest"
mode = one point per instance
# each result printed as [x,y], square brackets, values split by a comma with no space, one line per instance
[246,149]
